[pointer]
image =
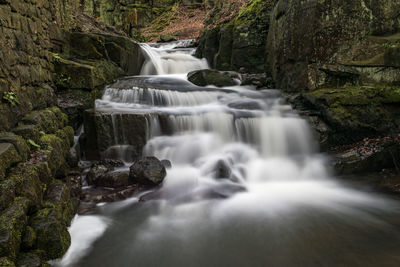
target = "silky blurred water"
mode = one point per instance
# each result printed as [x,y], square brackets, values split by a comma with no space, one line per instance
[247,185]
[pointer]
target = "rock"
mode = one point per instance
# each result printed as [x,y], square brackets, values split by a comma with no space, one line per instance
[52,234]
[100,134]
[332,43]
[240,43]
[248,104]
[74,181]
[18,142]
[102,176]
[5,262]
[28,238]
[28,132]
[381,157]
[166,163]
[29,260]
[222,170]
[355,112]
[148,171]
[12,225]
[166,38]
[8,157]
[100,194]
[213,77]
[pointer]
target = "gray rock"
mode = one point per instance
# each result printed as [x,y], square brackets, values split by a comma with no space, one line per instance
[148,171]
[213,77]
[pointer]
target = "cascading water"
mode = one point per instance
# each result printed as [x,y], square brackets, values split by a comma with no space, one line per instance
[246,188]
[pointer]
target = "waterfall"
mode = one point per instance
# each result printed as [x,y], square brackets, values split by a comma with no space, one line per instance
[161,61]
[247,185]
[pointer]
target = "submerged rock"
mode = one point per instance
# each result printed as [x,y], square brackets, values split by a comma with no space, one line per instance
[214,77]
[148,171]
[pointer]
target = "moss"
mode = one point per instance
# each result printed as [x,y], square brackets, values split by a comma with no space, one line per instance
[8,157]
[57,150]
[354,112]
[66,134]
[18,142]
[12,225]
[26,180]
[48,120]
[52,235]
[6,262]
[7,193]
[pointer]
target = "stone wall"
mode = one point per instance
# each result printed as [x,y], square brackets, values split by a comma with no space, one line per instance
[42,58]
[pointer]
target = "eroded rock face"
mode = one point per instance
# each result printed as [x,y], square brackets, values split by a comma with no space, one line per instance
[312,44]
[148,171]
[240,43]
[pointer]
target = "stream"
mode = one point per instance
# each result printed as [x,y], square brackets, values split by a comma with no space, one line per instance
[247,186]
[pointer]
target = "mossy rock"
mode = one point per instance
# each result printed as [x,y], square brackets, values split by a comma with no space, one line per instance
[26,180]
[56,149]
[87,46]
[48,120]
[85,74]
[28,239]
[28,132]
[12,226]
[58,195]
[359,111]
[29,260]
[8,157]
[52,235]
[7,193]
[6,262]
[18,142]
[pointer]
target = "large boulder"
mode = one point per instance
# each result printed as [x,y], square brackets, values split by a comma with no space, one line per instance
[148,171]
[213,77]
[319,43]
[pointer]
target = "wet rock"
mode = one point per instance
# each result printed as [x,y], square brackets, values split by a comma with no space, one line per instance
[126,152]
[99,194]
[222,170]
[166,163]
[100,134]
[104,174]
[213,77]
[148,171]
[246,104]
[86,207]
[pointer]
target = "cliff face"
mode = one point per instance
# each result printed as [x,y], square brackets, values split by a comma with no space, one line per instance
[319,43]
[48,49]
[237,43]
